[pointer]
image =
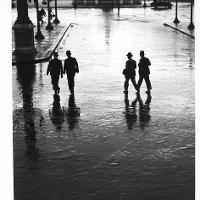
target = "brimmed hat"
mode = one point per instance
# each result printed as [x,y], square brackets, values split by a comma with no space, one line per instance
[55,54]
[142,52]
[129,54]
[68,52]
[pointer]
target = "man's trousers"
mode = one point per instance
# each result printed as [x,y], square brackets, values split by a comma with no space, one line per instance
[148,83]
[126,83]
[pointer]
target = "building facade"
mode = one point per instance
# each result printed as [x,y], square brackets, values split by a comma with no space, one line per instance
[83,3]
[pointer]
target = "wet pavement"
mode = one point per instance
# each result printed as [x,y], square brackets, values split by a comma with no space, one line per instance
[102,144]
[44,48]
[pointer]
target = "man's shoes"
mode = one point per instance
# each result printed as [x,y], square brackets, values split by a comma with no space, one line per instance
[72,92]
[148,92]
[125,91]
[138,92]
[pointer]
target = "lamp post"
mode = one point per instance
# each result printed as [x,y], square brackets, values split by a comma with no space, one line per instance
[118,6]
[144,5]
[23,30]
[38,35]
[191,25]
[176,21]
[75,5]
[49,25]
[56,20]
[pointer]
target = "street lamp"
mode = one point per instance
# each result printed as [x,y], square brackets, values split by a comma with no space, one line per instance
[75,5]
[144,5]
[23,31]
[176,21]
[118,5]
[56,21]
[49,25]
[191,26]
[38,35]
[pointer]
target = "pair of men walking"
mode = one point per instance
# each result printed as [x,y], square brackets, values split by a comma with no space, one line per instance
[129,73]
[56,70]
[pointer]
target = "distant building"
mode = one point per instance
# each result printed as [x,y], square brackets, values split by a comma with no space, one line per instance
[106,3]
[89,3]
[83,3]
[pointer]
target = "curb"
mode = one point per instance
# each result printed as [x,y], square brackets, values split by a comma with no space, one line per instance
[49,52]
[189,35]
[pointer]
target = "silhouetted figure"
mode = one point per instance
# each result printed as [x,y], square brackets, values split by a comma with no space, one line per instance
[70,68]
[56,113]
[56,69]
[72,113]
[41,14]
[144,110]
[51,14]
[129,72]
[130,112]
[144,72]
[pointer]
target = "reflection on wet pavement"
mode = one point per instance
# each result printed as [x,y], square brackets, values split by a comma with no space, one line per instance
[100,144]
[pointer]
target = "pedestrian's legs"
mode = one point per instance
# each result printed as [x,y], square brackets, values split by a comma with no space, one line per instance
[56,83]
[148,83]
[71,83]
[139,83]
[54,80]
[126,84]
[134,83]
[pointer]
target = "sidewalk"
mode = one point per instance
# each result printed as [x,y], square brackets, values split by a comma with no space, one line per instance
[46,47]
[182,29]
[184,18]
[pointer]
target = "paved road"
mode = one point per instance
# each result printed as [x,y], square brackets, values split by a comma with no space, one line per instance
[116,148]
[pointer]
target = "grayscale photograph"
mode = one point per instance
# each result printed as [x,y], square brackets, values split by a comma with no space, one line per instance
[103,99]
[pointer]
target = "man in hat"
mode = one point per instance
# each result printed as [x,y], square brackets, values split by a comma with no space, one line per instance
[129,72]
[56,69]
[70,68]
[144,72]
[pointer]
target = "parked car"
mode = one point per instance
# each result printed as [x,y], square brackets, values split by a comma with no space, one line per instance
[157,4]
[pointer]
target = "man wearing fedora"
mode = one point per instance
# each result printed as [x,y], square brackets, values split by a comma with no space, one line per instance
[144,72]
[56,69]
[70,68]
[129,72]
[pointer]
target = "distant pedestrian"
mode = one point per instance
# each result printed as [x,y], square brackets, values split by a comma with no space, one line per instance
[43,12]
[51,14]
[129,72]
[70,68]
[41,15]
[144,72]
[56,69]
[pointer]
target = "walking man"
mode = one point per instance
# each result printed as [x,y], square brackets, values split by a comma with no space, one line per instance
[144,72]
[56,69]
[70,68]
[129,72]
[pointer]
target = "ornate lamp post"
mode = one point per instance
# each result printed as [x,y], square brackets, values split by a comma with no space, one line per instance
[23,30]
[56,20]
[144,5]
[38,35]
[176,21]
[191,25]
[118,6]
[75,5]
[49,25]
